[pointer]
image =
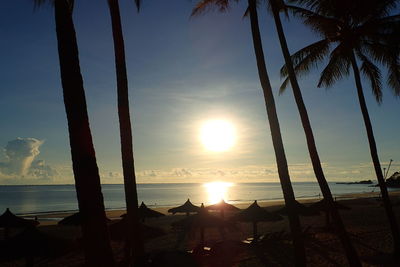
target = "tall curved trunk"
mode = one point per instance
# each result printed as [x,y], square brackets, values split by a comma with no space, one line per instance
[96,242]
[375,159]
[131,197]
[294,222]
[350,251]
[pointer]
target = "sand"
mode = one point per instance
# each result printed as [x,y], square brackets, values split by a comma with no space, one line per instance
[366,222]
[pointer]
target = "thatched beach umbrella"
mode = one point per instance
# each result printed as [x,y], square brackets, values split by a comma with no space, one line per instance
[300,209]
[222,206]
[201,220]
[187,208]
[323,206]
[254,213]
[74,220]
[145,212]
[32,243]
[9,220]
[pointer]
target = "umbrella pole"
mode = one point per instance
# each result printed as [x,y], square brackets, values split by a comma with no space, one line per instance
[254,230]
[202,236]
[6,233]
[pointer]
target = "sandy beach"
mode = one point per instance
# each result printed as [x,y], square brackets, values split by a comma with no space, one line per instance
[366,223]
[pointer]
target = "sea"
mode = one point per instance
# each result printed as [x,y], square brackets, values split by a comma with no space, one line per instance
[32,199]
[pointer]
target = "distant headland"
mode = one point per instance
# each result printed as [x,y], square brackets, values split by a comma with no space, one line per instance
[394,180]
[359,182]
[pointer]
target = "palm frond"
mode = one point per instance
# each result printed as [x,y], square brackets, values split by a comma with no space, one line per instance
[322,25]
[382,52]
[384,7]
[205,6]
[138,4]
[305,59]
[284,85]
[356,10]
[394,77]
[280,6]
[338,66]
[372,72]
[247,12]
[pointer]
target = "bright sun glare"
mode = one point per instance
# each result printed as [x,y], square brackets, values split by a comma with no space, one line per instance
[217,191]
[218,135]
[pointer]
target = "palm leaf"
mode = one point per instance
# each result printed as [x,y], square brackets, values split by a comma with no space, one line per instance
[305,59]
[284,85]
[207,5]
[322,25]
[372,72]
[338,66]
[394,76]
[138,4]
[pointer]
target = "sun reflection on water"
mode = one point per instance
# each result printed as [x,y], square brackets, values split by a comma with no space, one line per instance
[216,191]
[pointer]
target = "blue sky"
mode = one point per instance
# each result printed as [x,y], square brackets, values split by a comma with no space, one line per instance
[182,71]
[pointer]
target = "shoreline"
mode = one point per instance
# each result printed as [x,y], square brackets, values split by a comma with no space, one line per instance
[52,217]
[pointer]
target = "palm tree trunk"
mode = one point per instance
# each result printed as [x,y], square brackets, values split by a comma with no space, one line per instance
[96,242]
[375,159]
[341,232]
[128,167]
[298,242]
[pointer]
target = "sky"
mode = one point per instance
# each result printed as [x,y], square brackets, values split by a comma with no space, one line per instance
[182,73]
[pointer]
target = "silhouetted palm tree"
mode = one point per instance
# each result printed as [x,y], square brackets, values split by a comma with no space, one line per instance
[357,30]
[135,241]
[96,242]
[276,6]
[300,257]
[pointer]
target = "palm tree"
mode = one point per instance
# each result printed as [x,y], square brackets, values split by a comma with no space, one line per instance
[96,242]
[299,249]
[354,32]
[276,6]
[134,239]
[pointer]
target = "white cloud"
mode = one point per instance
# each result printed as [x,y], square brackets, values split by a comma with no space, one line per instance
[20,154]
[21,165]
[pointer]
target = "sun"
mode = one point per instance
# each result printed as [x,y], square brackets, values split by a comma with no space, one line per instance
[217,135]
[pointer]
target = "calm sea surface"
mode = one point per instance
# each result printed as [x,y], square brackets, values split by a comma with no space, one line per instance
[45,198]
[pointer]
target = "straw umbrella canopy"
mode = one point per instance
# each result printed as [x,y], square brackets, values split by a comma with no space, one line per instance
[300,209]
[323,206]
[187,208]
[201,220]
[74,219]
[9,220]
[222,206]
[145,212]
[254,213]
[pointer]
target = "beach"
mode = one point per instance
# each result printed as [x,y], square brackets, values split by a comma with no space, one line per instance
[365,221]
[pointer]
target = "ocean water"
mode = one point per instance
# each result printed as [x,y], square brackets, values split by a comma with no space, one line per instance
[45,198]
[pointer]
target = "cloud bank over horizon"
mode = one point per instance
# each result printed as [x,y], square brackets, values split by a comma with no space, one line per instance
[22,166]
